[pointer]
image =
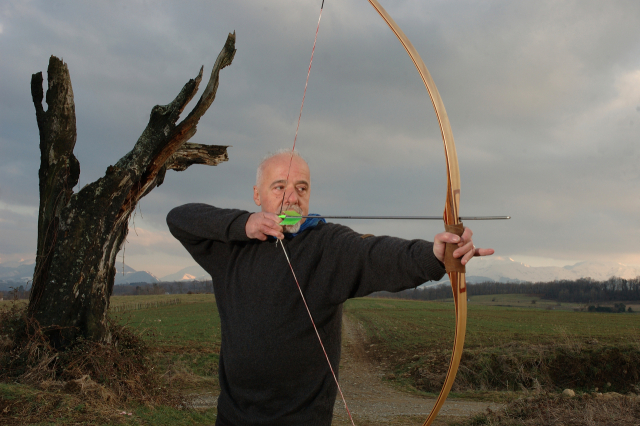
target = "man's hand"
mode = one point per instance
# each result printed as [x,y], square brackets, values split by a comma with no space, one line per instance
[262,224]
[465,249]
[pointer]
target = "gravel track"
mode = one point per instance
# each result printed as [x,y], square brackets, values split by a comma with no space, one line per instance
[373,402]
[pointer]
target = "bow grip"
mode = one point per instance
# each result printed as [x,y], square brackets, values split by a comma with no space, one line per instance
[452,264]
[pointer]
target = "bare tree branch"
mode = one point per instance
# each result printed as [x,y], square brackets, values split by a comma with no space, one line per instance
[194,153]
[80,234]
[169,137]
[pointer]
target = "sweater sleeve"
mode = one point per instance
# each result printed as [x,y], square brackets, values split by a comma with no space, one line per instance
[204,229]
[367,265]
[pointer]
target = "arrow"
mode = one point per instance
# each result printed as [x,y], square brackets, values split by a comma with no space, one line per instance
[290,217]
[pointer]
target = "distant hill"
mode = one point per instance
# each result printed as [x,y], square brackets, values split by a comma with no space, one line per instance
[17,272]
[23,273]
[135,277]
[480,269]
[501,269]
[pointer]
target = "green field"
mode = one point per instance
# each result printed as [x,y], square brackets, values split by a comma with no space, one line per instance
[410,325]
[188,334]
[192,325]
[535,302]
[507,348]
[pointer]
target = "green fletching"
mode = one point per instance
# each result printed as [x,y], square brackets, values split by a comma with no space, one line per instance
[289,217]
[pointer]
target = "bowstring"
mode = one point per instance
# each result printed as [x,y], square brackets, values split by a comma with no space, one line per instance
[315,328]
[304,94]
[304,300]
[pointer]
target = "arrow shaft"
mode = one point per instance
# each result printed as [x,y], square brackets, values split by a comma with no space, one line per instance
[405,217]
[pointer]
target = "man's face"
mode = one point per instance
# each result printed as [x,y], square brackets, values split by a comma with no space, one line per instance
[274,185]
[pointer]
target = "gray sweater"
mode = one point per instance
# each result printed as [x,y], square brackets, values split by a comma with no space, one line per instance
[272,369]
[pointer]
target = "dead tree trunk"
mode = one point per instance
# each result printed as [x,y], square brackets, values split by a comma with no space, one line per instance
[80,234]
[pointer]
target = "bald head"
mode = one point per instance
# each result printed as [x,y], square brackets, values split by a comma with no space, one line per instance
[276,158]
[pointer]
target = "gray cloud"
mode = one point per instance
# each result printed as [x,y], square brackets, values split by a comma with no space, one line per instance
[543,98]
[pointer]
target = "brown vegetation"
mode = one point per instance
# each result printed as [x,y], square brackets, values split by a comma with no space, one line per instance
[554,410]
[88,380]
[520,366]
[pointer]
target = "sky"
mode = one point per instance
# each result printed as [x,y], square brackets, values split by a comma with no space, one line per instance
[543,98]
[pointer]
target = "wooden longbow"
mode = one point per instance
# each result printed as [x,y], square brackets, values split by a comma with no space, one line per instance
[451,216]
[453,266]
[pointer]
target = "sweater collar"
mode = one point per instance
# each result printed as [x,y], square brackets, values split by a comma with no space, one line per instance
[308,224]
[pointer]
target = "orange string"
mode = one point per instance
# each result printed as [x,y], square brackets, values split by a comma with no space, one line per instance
[295,138]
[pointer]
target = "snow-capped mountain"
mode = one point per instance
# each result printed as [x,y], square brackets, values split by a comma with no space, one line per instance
[189,273]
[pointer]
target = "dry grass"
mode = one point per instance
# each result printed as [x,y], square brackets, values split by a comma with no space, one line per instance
[88,381]
[553,410]
[505,349]
[153,298]
[8,303]
[85,403]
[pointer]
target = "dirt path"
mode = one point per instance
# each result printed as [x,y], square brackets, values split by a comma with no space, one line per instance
[372,402]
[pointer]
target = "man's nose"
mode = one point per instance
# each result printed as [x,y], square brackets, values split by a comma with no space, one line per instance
[292,198]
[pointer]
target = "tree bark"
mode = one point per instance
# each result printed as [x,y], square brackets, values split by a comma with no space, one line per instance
[80,234]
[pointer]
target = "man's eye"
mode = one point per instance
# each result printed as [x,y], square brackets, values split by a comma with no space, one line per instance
[302,189]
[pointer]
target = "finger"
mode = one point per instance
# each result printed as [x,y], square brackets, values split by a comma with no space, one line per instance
[274,231]
[464,249]
[476,252]
[468,255]
[446,237]
[484,252]
[271,217]
[466,237]
[278,229]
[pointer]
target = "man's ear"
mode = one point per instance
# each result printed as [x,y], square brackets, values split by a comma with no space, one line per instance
[256,196]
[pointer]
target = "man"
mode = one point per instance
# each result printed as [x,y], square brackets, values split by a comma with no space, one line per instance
[272,369]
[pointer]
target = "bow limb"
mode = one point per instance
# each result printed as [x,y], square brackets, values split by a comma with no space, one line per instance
[451,213]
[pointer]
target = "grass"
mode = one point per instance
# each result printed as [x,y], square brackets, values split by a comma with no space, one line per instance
[185,337]
[522,301]
[29,405]
[161,416]
[417,325]
[193,325]
[184,344]
[185,298]
[6,304]
[607,409]
[407,335]
[125,300]
[506,348]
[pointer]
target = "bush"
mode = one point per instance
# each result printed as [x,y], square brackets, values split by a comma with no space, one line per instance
[120,369]
[514,366]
